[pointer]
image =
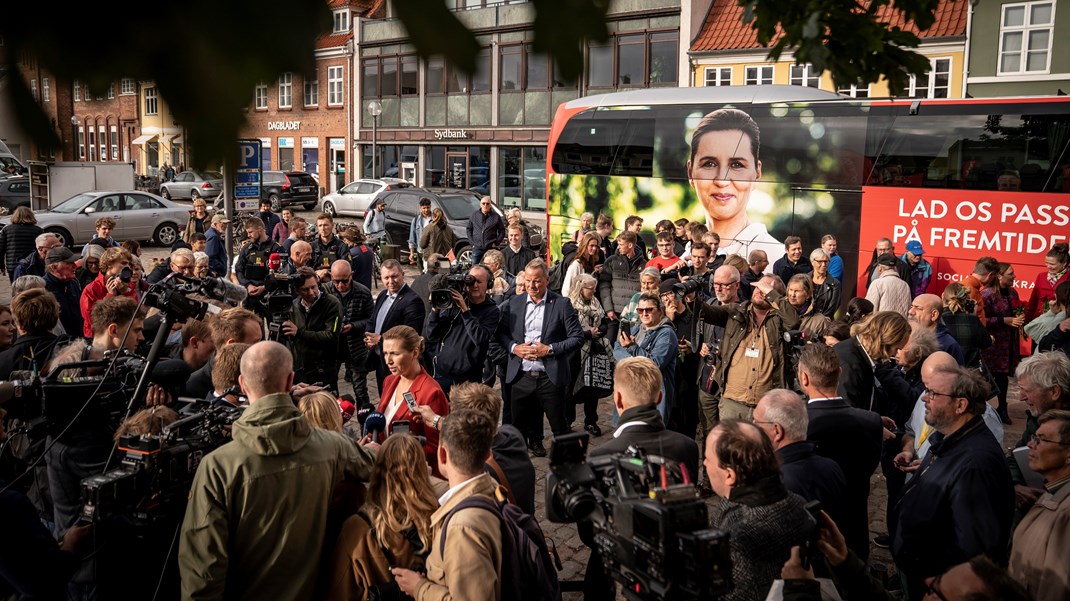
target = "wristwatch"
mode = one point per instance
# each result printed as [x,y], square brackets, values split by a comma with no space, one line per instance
[549,350]
[434,422]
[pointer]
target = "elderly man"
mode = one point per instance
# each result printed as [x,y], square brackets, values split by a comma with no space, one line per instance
[356,301]
[485,229]
[180,261]
[888,292]
[34,263]
[1042,540]
[60,267]
[1044,384]
[763,520]
[273,481]
[925,311]
[300,256]
[217,246]
[960,502]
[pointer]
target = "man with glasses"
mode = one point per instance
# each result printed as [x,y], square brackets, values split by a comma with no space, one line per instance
[356,302]
[180,261]
[1042,540]
[1044,384]
[700,269]
[960,502]
[485,229]
[34,263]
[314,332]
[459,337]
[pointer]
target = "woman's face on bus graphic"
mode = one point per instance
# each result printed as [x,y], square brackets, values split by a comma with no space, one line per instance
[723,172]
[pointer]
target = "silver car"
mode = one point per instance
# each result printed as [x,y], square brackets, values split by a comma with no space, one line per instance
[138,216]
[356,197]
[193,185]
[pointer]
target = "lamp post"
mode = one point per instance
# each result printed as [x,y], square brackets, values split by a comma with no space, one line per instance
[75,122]
[375,108]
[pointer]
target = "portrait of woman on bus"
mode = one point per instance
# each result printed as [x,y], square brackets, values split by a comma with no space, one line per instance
[724,169]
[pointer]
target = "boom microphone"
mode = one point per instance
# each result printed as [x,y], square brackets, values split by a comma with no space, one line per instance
[225,291]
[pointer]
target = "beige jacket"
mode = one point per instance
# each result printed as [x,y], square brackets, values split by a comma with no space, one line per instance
[889,293]
[1041,548]
[471,566]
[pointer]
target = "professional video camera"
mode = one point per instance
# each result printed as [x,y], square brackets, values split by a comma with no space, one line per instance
[650,521]
[457,279]
[172,295]
[156,472]
[796,340]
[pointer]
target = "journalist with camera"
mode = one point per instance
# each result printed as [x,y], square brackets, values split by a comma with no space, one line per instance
[313,331]
[112,281]
[461,325]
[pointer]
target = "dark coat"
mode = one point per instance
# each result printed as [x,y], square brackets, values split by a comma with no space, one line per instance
[560,330]
[1055,340]
[783,268]
[485,231]
[458,342]
[216,250]
[68,295]
[324,255]
[31,352]
[510,451]
[852,438]
[363,260]
[619,281]
[16,241]
[315,347]
[959,504]
[407,310]
[652,437]
[814,478]
[856,376]
[515,262]
[356,311]
[31,264]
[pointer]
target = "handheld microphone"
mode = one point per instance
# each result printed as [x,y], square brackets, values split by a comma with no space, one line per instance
[347,410]
[363,412]
[274,261]
[225,291]
[375,423]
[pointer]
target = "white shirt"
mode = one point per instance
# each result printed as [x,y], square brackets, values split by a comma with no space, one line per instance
[393,406]
[383,311]
[453,490]
[533,318]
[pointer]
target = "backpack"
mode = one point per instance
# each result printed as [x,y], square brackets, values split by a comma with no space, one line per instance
[527,568]
[557,272]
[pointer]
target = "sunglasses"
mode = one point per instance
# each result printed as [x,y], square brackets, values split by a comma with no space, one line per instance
[645,310]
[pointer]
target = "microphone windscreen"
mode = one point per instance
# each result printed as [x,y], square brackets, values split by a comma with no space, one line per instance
[375,423]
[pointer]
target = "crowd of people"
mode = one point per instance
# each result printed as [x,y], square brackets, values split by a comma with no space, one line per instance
[757,373]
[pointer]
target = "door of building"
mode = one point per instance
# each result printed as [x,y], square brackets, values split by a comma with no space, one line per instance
[456,170]
[338,168]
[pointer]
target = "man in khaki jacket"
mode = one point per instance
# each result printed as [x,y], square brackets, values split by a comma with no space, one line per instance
[470,566]
[257,513]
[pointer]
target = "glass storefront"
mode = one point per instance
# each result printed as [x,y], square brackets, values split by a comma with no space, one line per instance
[522,177]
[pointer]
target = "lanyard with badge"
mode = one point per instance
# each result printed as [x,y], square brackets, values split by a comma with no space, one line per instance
[752,351]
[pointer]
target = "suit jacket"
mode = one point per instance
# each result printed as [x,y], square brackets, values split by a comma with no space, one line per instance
[560,330]
[856,377]
[852,438]
[407,310]
[649,433]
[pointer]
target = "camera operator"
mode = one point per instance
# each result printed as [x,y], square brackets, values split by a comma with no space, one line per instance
[252,266]
[356,301]
[112,281]
[314,331]
[272,482]
[229,326]
[679,298]
[700,271]
[459,336]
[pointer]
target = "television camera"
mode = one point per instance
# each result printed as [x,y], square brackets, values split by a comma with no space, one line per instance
[281,290]
[649,520]
[457,279]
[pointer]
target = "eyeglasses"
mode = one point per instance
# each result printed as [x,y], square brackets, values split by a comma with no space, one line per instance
[933,588]
[819,262]
[1037,440]
[929,392]
[645,309]
[728,285]
[342,281]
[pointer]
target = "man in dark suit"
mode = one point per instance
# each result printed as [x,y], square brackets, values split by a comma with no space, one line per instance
[397,305]
[540,329]
[849,436]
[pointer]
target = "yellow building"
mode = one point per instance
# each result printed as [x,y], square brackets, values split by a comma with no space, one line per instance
[726,52]
[161,140]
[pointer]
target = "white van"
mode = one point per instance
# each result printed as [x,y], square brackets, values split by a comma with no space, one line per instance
[7,158]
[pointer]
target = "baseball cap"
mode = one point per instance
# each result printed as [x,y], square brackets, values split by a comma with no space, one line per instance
[219,218]
[914,248]
[666,286]
[887,260]
[60,254]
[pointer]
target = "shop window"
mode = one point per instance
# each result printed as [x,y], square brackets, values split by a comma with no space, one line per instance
[522,177]
[633,60]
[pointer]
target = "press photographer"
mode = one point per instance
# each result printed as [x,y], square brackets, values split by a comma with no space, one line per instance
[461,325]
[313,332]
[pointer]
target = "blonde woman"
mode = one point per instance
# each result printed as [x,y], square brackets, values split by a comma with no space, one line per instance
[200,264]
[961,319]
[393,528]
[199,221]
[876,341]
[595,323]
[322,411]
[437,237]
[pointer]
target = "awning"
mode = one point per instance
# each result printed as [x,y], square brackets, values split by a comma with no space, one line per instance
[142,139]
[165,137]
[177,140]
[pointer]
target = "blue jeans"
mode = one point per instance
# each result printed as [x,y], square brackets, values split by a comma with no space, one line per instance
[477,254]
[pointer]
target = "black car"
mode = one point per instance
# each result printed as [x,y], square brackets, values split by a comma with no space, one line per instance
[288,188]
[403,205]
[14,192]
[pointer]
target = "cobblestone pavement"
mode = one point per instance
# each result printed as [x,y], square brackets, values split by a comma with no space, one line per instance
[574,553]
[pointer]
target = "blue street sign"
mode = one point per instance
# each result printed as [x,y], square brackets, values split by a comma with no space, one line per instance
[248,176]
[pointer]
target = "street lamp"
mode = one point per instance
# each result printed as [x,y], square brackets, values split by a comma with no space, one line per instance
[375,108]
[75,121]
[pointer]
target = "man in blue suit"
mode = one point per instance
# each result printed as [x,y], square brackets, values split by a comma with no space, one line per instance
[540,329]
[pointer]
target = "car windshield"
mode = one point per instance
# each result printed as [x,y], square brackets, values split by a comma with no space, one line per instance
[458,206]
[74,203]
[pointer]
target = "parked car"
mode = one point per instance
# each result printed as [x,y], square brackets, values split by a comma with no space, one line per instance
[14,192]
[138,216]
[193,185]
[355,198]
[288,188]
[402,206]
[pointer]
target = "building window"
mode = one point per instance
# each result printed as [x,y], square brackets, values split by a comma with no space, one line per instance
[481,78]
[510,68]
[661,61]
[150,101]
[312,92]
[936,83]
[286,88]
[381,77]
[103,143]
[81,140]
[758,76]
[77,87]
[719,76]
[1025,36]
[92,144]
[410,80]
[436,76]
[600,65]
[805,75]
[33,88]
[522,177]
[85,92]
[634,60]
[46,92]
[260,94]
[341,21]
[114,141]
[111,91]
[126,86]
[854,91]
[335,92]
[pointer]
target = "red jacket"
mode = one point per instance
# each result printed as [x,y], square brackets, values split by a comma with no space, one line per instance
[1042,291]
[427,392]
[96,291]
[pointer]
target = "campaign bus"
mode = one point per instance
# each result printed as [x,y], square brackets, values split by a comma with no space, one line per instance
[965,177]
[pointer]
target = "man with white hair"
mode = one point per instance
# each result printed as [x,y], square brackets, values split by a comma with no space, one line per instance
[34,263]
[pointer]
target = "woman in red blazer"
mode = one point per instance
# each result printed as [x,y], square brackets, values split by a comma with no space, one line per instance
[1044,287]
[401,352]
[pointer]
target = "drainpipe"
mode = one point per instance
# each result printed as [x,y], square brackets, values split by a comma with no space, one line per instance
[966,53]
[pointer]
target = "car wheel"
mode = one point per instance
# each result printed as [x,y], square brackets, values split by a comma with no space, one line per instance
[194,194]
[465,256]
[328,207]
[165,234]
[165,193]
[62,234]
[276,203]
